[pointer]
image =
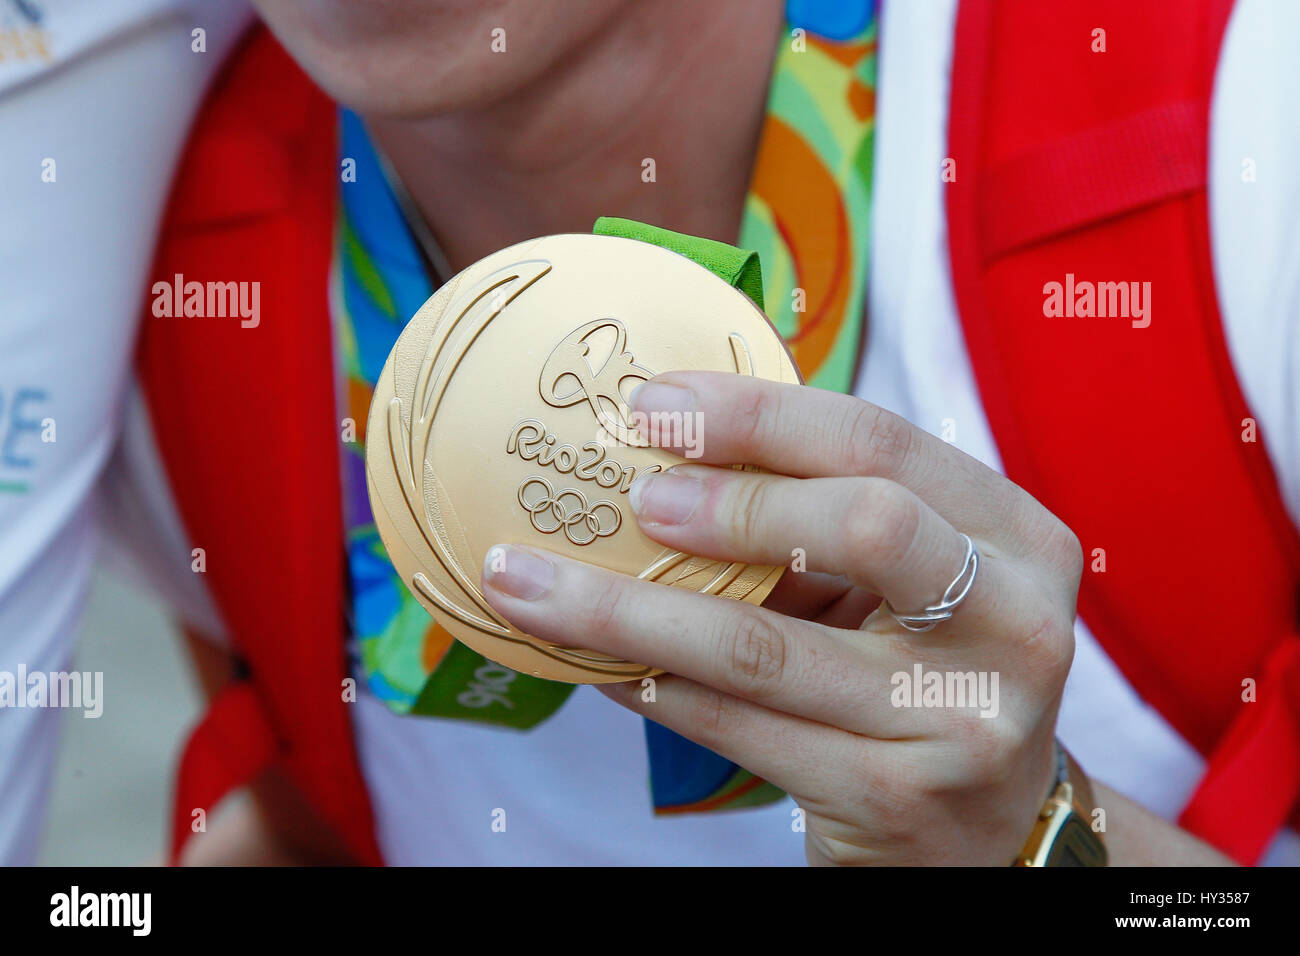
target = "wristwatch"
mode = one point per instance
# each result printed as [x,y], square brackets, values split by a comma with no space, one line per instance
[1063,834]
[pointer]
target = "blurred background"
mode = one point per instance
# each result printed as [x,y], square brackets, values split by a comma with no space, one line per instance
[112,782]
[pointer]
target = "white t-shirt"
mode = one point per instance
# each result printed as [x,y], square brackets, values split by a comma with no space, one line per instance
[95,101]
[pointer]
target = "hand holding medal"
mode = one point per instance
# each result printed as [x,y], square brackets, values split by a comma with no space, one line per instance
[519,453]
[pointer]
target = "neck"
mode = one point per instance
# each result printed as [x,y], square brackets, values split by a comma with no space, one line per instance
[678,82]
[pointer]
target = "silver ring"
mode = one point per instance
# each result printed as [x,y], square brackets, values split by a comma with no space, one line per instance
[955,593]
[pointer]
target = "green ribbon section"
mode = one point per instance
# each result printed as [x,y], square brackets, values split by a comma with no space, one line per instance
[738,267]
[468,686]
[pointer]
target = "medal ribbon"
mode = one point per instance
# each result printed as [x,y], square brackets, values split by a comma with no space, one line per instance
[807,216]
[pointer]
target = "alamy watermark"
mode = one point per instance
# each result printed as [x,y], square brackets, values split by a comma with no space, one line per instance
[949,689]
[75,690]
[1103,300]
[676,431]
[75,908]
[209,300]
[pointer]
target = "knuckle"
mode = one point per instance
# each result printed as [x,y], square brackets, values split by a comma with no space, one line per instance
[878,441]
[605,609]
[1047,650]
[715,715]
[750,507]
[982,755]
[755,651]
[1052,545]
[899,792]
[884,517]
[1065,550]
[990,748]
[753,414]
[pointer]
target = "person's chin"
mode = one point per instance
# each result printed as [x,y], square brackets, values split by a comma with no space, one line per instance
[400,59]
[412,94]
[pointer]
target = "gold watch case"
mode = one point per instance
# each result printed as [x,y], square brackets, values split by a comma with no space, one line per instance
[1062,834]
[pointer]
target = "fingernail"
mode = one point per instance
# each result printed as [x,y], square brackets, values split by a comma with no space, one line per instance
[522,574]
[665,497]
[661,397]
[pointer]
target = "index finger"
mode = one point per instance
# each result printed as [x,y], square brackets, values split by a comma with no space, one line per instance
[808,432]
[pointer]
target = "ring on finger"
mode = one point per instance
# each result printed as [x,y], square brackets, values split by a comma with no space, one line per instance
[942,610]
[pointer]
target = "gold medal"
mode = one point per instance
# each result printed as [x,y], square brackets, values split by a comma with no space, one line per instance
[502,416]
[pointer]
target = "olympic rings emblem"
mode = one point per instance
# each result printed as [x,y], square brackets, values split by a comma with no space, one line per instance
[583,523]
